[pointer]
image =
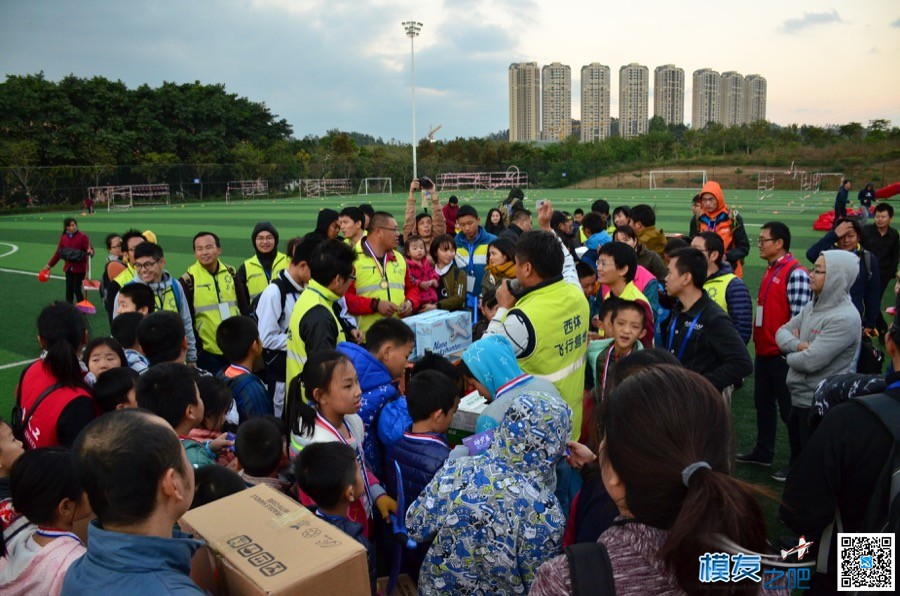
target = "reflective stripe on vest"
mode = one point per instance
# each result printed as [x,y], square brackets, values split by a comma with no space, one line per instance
[560,316]
[315,294]
[209,292]
[369,280]
[126,277]
[256,274]
[717,287]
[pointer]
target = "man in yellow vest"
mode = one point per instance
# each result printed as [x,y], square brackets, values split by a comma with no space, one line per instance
[383,287]
[214,294]
[724,287]
[547,321]
[256,272]
[150,266]
[315,323]
[130,239]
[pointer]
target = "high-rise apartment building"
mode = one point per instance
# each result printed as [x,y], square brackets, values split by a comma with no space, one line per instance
[754,98]
[634,93]
[595,86]
[668,93]
[556,102]
[731,99]
[524,102]
[705,102]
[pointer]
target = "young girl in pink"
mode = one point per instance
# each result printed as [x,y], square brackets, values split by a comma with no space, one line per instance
[422,272]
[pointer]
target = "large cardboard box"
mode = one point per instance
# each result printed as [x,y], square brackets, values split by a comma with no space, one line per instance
[441,331]
[264,542]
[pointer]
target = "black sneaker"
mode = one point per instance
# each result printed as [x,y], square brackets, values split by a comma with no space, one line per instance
[780,476]
[753,458]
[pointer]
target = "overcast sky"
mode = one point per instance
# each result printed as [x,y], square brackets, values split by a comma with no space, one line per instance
[346,64]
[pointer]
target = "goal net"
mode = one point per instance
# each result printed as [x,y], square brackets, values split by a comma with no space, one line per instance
[325,187]
[819,177]
[115,197]
[149,194]
[375,186]
[677,179]
[246,189]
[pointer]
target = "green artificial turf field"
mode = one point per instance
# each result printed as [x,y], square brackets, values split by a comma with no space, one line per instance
[27,241]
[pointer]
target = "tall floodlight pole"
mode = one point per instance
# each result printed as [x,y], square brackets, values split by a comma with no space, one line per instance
[412,32]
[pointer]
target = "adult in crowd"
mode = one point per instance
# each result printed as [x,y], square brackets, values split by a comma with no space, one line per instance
[783,293]
[55,401]
[130,239]
[866,289]
[425,225]
[114,265]
[724,287]
[519,222]
[548,308]
[214,294]
[883,241]
[150,265]
[352,222]
[450,211]
[842,200]
[328,224]
[647,259]
[616,269]
[668,472]
[699,333]
[696,212]
[562,225]
[383,287]
[494,223]
[74,248]
[256,272]
[865,198]
[822,341]
[726,223]
[368,212]
[472,251]
[643,220]
[139,483]
[839,471]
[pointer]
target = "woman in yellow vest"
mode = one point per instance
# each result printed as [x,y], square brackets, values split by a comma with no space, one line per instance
[260,269]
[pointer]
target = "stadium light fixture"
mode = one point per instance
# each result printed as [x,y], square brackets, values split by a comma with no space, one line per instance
[412,32]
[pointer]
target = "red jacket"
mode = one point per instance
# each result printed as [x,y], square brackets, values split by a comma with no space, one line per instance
[42,430]
[78,241]
[773,300]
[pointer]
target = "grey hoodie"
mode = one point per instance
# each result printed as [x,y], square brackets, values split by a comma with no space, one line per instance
[831,325]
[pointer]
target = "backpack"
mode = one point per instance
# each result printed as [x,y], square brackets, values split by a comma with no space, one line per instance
[20,418]
[511,204]
[590,569]
[284,288]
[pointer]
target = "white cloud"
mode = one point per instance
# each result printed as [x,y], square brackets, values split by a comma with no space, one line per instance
[810,19]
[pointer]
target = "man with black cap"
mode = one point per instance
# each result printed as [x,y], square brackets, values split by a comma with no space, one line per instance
[257,271]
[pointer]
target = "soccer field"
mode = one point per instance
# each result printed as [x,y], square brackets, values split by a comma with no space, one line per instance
[28,240]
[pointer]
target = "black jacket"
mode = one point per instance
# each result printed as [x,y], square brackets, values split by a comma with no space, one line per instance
[512,232]
[714,349]
[885,248]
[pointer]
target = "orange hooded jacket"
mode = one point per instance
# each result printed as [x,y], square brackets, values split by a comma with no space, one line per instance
[719,221]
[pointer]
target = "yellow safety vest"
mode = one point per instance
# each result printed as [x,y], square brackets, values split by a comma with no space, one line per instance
[560,316]
[371,283]
[256,274]
[209,292]
[315,294]
[127,276]
[717,287]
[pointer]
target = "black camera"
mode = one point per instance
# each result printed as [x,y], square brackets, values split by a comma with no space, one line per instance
[426,183]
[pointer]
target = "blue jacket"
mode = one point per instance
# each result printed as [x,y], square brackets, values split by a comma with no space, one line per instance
[250,395]
[420,456]
[378,388]
[473,264]
[841,199]
[593,243]
[117,564]
[866,290]
[740,306]
[393,421]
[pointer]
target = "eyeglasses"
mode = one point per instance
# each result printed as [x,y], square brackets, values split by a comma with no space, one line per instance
[145,264]
[394,230]
[760,241]
[119,245]
[350,277]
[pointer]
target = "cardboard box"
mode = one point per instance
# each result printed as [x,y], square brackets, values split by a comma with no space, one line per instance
[466,417]
[440,331]
[264,542]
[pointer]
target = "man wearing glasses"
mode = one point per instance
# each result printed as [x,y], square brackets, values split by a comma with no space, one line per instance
[783,293]
[726,223]
[123,272]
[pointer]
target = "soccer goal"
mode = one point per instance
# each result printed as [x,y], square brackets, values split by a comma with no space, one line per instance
[677,179]
[325,187]
[149,194]
[819,176]
[375,186]
[115,197]
[246,189]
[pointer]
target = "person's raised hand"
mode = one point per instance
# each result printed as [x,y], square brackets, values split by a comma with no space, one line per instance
[544,214]
[842,229]
[505,296]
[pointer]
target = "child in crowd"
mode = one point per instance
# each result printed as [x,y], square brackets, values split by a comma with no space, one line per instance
[380,365]
[488,538]
[46,491]
[124,330]
[487,306]
[329,414]
[10,450]
[259,447]
[162,338]
[212,483]
[422,272]
[596,236]
[501,264]
[114,389]
[100,355]
[451,291]
[135,298]
[169,391]
[587,277]
[627,330]
[330,474]
[217,402]
[238,338]
[616,267]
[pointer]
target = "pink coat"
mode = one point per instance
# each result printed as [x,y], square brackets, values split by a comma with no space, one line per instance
[45,572]
[424,271]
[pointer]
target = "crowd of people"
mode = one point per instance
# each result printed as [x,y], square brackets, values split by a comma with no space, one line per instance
[607,350]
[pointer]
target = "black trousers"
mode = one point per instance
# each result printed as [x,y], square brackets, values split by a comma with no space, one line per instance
[771,398]
[73,287]
[799,430]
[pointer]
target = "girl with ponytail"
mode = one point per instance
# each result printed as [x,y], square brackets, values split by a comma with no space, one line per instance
[52,394]
[666,463]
